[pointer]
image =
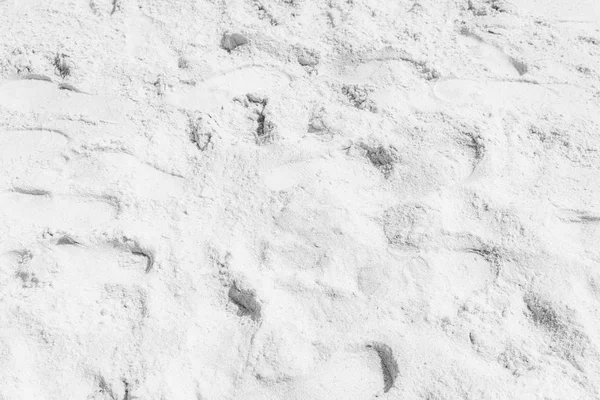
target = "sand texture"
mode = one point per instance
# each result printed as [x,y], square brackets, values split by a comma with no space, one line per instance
[299,199]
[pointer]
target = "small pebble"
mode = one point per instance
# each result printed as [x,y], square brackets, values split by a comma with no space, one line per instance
[232,40]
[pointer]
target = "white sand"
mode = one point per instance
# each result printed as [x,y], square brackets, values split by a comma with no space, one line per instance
[341,199]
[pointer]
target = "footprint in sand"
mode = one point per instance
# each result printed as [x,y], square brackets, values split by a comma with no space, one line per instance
[444,277]
[490,58]
[99,285]
[121,171]
[456,276]
[23,145]
[562,10]
[457,91]
[39,96]
[30,209]
[345,375]
[220,88]
[67,260]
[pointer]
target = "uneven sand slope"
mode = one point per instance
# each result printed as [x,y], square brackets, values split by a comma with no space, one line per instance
[346,199]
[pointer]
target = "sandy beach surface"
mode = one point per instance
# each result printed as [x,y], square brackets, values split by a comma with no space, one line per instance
[299,199]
